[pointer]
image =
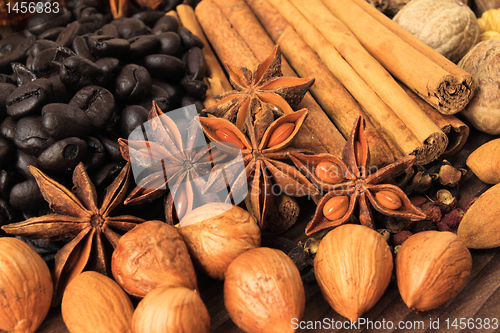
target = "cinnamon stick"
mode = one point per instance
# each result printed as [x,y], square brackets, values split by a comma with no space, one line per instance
[437,80]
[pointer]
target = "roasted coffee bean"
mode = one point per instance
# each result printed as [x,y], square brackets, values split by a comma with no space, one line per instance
[189,39]
[65,120]
[107,46]
[10,54]
[88,11]
[161,28]
[40,22]
[8,128]
[195,64]
[22,161]
[4,78]
[106,174]
[41,45]
[174,91]
[81,5]
[51,34]
[26,196]
[81,48]
[78,72]
[91,23]
[67,36]
[7,213]
[133,83]
[50,60]
[170,21]
[62,155]
[22,74]
[31,136]
[110,66]
[6,153]
[195,88]
[142,46]
[149,17]
[96,154]
[170,43]
[112,148]
[158,95]
[132,27]
[61,93]
[189,100]
[97,103]
[109,30]
[7,179]
[132,117]
[164,67]
[29,98]
[5,90]
[9,43]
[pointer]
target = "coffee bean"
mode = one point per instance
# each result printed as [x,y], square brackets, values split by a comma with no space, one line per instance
[110,66]
[8,128]
[64,120]
[189,39]
[22,74]
[133,83]
[9,43]
[78,72]
[26,196]
[164,66]
[4,78]
[41,22]
[10,54]
[195,88]
[109,30]
[50,60]
[189,100]
[149,17]
[158,95]
[41,45]
[81,48]
[91,23]
[88,11]
[106,174]
[5,90]
[22,161]
[51,34]
[96,102]
[170,43]
[132,117]
[62,155]
[112,148]
[132,27]
[96,154]
[161,28]
[142,46]
[107,46]
[29,98]
[195,64]
[7,213]
[67,36]
[6,182]
[31,136]
[61,93]
[6,153]
[170,21]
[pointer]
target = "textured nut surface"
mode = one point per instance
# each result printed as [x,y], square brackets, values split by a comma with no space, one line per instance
[485,162]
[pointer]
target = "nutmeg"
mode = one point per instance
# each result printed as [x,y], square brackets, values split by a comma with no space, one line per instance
[150,255]
[93,302]
[25,287]
[353,267]
[263,291]
[167,309]
[431,268]
[216,233]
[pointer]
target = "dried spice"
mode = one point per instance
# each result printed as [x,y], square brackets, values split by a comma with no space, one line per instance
[260,94]
[263,167]
[355,184]
[78,217]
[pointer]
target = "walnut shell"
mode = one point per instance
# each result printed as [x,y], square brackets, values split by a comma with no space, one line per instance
[150,255]
[166,309]
[217,233]
[93,302]
[431,268]
[483,63]
[448,26]
[485,162]
[353,267]
[263,291]
[25,287]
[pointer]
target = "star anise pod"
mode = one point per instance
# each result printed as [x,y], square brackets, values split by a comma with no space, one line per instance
[79,218]
[171,162]
[261,168]
[259,94]
[348,182]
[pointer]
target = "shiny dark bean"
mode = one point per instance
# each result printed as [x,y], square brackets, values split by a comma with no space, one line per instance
[66,37]
[195,88]
[170,43]
[65,120]
[106,174]
[81,48]
[132,27]
[131,117]
[79,72]
[158,95]
[7,179]
[112,148]
[161,28]
[7,213]
[61,94]
[149,17]
[40,22]
[50,60]
[26,196]
[29,98]
[91,23]
[51,34]
[141,46]
[5,90]
[96,154]
[189,100]
[195,64]
[170,21]
[22,74]
[41,45]
[110,66]
[107,46]
[31,136]
[189,39]
[8,128]
[17,54]
[96,102]
[80,7]
[6,153]
[164,66]
[4,78]
[174,91]
[88,11]
[9,43]
[133,83]
[109,30]
[22,161]
[62,155]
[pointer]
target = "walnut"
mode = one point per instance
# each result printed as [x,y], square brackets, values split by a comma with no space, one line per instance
[448,26]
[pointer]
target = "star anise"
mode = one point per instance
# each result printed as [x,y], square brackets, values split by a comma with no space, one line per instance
[261,168]
[260,94]
[78,217]
[172,162]
[348,182]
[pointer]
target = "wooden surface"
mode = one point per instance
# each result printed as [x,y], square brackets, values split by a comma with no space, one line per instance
[479,299]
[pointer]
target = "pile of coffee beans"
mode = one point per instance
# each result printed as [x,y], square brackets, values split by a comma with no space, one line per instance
[72,84]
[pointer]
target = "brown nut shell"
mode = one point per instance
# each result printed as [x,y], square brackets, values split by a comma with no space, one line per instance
[431,268]
[25,287]
[150,255]
[263,291]
[217,233]
[92,302]
[353,267]
[167,309]
[485,162]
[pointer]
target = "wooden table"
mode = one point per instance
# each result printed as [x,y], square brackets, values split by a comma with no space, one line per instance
[478,300]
